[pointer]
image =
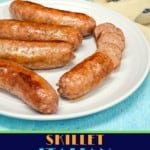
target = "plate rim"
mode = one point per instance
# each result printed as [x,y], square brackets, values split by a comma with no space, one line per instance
[42,117]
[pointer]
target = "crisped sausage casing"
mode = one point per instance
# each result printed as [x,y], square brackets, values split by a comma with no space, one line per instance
[28,31]
[28,86]
[37,55]
[38,13]
[85,76]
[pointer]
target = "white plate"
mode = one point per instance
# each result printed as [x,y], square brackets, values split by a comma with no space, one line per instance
[120,84]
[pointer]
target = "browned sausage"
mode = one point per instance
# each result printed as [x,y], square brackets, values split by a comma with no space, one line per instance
[20,30]
[28,86]
[93,70]
[110,40]
[85,76]
[28,11]
[107,27]
[111,37]
[104,27]
[113,51]
[37,55]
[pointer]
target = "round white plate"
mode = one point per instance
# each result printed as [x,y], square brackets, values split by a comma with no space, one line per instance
[120,84]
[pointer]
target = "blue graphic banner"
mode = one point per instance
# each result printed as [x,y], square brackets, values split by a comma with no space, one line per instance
[72,141]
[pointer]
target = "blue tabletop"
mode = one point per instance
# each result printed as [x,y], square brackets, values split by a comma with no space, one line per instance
[131,114]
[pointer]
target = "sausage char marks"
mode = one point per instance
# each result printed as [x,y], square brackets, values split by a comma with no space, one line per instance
[88,74]
[28,86]
[41,14]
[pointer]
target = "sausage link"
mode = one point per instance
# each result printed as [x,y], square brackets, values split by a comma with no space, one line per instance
[28,31]
[102,28]
[112,51]
[111,37]
[110,40]
[28,86]
[38,13]
[85,76]
[107,27]
[37,55]
[93,70]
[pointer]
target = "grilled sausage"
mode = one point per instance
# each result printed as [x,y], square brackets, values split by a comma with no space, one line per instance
[110,40]
[113,51]
[40,14]
[111,37]
[85,76]
[28,86]
[37,55]
[20,30]
[107,27]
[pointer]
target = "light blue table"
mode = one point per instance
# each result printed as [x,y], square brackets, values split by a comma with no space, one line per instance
[131,114]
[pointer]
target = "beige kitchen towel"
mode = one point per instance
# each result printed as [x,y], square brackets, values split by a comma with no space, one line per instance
[133,10]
